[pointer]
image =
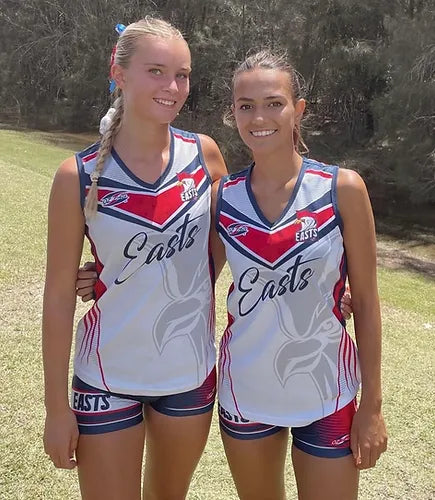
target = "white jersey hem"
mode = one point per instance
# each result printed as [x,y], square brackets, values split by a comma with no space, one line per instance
[144,392]
[288,421]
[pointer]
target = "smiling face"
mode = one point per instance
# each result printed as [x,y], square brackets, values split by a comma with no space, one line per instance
[155,83]
[265,109]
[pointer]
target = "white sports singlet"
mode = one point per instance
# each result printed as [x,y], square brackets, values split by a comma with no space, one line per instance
[285,357]
[151,330]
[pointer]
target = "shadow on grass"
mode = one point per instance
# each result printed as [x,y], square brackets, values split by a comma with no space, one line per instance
[65,140]
[405,244]
[76,142]
[408,230]
[395,259]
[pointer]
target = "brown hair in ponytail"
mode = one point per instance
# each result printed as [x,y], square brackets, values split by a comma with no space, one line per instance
[268,60]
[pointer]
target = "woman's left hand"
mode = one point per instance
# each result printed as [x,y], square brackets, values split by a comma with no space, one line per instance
[368,438]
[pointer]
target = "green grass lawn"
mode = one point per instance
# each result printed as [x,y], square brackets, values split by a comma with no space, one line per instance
[27,163]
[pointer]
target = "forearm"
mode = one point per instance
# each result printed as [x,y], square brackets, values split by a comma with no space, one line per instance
[56,349]
[219,264]
[218,251]
[367,321]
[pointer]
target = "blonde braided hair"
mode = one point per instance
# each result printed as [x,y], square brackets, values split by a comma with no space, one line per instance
[124,49]
[106,143]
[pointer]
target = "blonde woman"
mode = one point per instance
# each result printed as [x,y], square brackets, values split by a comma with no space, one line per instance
[144,362]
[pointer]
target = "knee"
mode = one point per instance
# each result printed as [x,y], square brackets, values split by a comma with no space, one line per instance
[167,492]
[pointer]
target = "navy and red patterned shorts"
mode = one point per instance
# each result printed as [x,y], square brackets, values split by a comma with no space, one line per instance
[99,411]
[328,437]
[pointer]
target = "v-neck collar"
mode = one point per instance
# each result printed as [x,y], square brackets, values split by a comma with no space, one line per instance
[257,208]
[137,179]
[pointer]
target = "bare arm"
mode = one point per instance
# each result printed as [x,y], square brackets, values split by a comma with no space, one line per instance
[368,438]
[64,247]
[217,169]
[213,158]
[217,247]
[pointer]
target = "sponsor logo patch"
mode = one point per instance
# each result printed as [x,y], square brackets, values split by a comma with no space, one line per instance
[237,229]
[340,440]
[113,199]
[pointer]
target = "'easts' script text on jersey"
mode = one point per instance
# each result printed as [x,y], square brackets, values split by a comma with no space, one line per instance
[151,330]
[285,358]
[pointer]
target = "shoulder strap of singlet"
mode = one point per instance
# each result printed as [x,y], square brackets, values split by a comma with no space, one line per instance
[82,157]
[333,171]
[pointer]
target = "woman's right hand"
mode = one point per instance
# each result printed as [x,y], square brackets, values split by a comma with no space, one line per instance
[61,436]
[86,279]
[346,304]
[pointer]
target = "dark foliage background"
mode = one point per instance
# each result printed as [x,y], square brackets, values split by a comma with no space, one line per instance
[368,67]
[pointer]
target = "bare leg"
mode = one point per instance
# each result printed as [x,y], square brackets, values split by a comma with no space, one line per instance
[174,446]
[257,465]
[110,464]
[325,478]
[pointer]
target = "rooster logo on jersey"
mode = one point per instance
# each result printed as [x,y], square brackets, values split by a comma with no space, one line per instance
[308,230]
[187,182]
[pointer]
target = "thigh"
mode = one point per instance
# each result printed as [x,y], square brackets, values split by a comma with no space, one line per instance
[177,431]
[110,464]
[174,446]
[257,464]
[328,437]
[110,446]
[323,462]
[325,478]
